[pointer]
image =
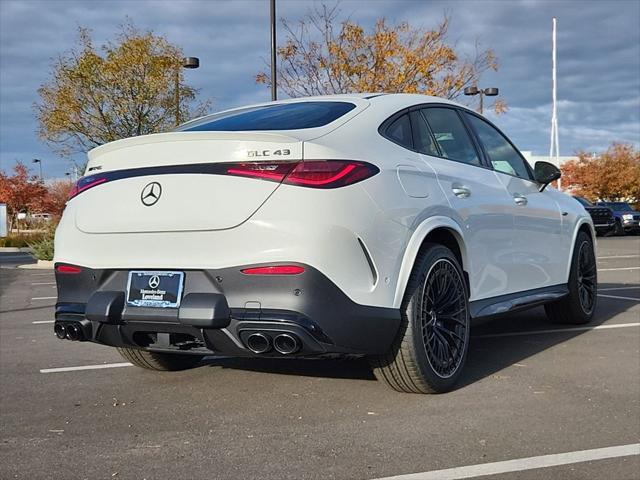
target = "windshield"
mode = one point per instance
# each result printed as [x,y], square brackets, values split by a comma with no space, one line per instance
[619,206]
[284,116]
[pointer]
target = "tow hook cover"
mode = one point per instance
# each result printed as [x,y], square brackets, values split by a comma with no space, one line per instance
[204,310]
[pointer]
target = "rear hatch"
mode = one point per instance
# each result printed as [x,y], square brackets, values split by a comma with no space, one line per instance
[195,178]
[178,181]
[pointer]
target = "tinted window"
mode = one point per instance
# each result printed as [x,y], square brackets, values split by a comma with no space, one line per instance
[503,156]
[400,131]
[451,135]
[422,139]
[287,116]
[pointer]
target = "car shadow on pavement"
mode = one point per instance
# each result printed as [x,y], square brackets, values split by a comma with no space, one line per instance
[488,354]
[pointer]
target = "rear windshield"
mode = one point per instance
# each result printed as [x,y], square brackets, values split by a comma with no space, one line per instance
[287,116]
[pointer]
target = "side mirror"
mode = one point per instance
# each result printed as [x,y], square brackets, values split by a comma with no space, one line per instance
[545,173]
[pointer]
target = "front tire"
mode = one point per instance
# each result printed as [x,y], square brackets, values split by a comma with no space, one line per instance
[431,346]
[578,307]
[618,230]
[163,362]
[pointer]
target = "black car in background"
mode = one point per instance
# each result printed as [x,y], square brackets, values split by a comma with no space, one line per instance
[627,219]
[602,217]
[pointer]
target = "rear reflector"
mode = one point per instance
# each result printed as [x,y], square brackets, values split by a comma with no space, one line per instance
[274,270]
[68,269]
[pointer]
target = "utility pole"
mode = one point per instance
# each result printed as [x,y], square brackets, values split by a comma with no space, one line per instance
[187,62]
[274,80]
[39,162]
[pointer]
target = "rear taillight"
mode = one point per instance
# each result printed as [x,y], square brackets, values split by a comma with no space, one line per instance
[274,270]
[85,183]
[309,173]
[69,269]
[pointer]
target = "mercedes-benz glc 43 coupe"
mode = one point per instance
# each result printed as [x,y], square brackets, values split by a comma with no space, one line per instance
[367,225]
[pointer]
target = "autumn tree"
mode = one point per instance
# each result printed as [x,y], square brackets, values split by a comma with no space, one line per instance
[610,176]
[126,87]
[20,191]
[55,198]
[323,56]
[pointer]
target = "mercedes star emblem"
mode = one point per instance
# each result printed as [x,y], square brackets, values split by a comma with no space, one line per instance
[154,282]
[151,194]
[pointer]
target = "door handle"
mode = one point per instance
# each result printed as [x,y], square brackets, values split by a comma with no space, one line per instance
[460,191]
[519,199]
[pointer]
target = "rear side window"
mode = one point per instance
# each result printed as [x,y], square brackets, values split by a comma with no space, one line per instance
[503,156]
[285,116]
[400,131]
[451,135]
[422,138]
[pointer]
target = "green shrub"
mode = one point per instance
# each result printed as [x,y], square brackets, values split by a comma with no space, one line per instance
[43,248]
[21,240]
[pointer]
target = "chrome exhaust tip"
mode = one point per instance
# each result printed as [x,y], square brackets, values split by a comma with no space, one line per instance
[60,331]
[258,343]
[286,344]
[74,332]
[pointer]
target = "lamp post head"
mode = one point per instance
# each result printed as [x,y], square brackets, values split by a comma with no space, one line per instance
[491,92]
[191,62]
[471,91]
[37,160]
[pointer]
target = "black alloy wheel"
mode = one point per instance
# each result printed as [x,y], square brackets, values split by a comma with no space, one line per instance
[444,313]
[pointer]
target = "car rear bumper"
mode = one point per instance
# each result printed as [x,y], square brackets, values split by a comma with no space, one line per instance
[220,309]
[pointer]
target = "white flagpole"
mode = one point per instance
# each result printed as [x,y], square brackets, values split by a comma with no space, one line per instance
[554,149]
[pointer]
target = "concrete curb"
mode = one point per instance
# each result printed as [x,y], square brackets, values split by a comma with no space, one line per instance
[41,265]
[15,249]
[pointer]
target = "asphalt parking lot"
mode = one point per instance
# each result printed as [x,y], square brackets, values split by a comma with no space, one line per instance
[531,389]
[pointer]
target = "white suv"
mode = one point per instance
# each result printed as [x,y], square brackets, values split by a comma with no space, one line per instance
[374,225]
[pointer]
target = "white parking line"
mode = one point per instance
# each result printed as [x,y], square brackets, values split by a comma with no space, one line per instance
[618,288]
[85,367]
[618,256]
[522,464]
[47,283]
[617,269]
[555,330]
[39,322]
[41,274]
[620,298]
[44,298]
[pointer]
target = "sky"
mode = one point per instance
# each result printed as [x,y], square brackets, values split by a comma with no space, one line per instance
[598,58]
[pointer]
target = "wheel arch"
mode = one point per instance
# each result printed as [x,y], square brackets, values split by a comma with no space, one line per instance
[441,230]
[582,225]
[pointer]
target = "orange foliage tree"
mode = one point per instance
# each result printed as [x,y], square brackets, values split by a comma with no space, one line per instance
[323,56]
[612,175]
[21,191]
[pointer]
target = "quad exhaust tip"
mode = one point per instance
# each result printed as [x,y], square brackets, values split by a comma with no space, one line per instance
[69,331]
[258,343]
[286,344]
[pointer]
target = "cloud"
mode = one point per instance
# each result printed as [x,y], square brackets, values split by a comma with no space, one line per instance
[598,52]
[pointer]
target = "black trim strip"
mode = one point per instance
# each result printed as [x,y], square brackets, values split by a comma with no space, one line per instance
[517,301]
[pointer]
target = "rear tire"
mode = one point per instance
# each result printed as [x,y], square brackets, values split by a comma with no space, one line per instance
[431,346]
[578,307]
[164,362]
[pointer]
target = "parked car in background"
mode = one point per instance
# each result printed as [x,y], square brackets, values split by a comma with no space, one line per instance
[44,217]
[603,219]
[627,219]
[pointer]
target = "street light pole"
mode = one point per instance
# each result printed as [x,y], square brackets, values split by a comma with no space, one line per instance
[187,62]
[39,162]
[489,92]
[274,80]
